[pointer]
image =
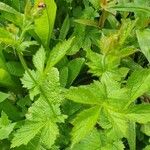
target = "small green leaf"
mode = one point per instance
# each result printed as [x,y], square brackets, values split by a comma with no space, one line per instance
[131,7]
[3,96]
[65,28]
[137,84]
[26,133]
[6,37]
[5,34]
[95,3]
[146,129]
[7,8]
[11,110]
[116,145]
[15,68]
[147,147]
[74,68]
[63,75]
[49,135]
[84,123]
[131,136]
[143,39]
[87,22]
[58,52]
[39,60]
[119,125]
[139,113]
[86,94]
[24,45]
[5,79]
[27,80]
[6,127]
[91,142]
[95,63]
[51,86]
[11,14]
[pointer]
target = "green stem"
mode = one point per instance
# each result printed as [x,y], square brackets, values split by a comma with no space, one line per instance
[24,31]
[25,66]
[103,15]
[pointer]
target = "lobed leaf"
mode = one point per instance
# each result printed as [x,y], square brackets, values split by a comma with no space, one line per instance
[139,113]
[58,52]
[84,123]
[86,94]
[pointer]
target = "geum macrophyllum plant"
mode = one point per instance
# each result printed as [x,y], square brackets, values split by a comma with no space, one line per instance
[74,83]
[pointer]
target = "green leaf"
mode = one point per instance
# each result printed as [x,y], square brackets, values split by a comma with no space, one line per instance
[95,3]
[6,127]
[2,59]
[117,145]
[143,39]
[42,112]
[147,147]
[5,79]
[127,51]
[43,83]
[103,120]
[74,68]
[40,120]
[34,144]
[84,123]
[100,64]
[126,30]
[51,86]
[117,97]
[58,52]
[131,7]
[27,80]
[3,96]
[5,34]
[131,136]
[15,68]
[65,28]
[39,60]
[63,75]
[6,37]
[139,113]
[11,14]
[48,82]
[44,24]
[87,22]
[26,133]
[146,129]
[7,8]
[24,45]
[91,142]
[119,125]
[86,94]
[137,84]
[11,110]
[49,135]
[95,63]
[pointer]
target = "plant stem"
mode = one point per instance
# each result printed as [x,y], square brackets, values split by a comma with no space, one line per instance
[103,15]
[25,66]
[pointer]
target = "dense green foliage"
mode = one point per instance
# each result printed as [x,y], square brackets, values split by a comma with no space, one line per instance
[75,74]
